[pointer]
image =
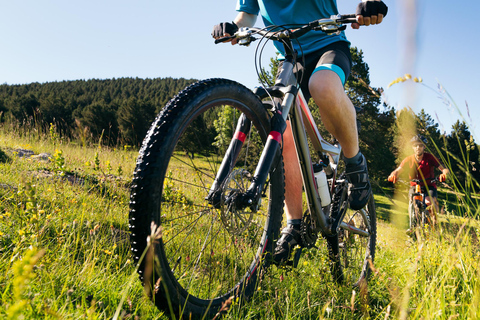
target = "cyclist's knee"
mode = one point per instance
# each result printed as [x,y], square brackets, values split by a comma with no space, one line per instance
[325,84]
[428,202]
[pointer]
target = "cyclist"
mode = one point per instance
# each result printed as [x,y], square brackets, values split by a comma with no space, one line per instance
[327,63]
[421,166]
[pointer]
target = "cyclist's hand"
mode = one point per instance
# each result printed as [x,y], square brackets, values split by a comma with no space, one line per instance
[370,12]
[392,178]
[224,29]
[442,177]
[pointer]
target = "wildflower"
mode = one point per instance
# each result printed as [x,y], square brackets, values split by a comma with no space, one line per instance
[328,310]
[406,77]
[109,166]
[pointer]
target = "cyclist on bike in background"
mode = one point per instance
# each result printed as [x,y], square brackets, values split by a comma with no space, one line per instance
[421,166]
[326,68]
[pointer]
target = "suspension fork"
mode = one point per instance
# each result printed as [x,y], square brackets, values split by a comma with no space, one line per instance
[229,160]
[270,154]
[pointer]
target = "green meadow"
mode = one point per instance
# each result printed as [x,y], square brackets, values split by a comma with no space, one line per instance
[65,253]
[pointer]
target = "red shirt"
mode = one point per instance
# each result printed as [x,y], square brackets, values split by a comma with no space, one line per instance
[426,166]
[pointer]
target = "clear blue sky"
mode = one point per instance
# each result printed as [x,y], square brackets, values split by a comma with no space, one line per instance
[55,40]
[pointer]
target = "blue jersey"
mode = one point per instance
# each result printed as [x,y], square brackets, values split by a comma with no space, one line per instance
[289,12]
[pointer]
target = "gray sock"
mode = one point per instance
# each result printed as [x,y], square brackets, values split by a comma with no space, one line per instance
[355,161]
[294,222]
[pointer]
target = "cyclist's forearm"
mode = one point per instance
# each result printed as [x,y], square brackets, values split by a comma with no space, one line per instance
[397,171]
[244,19]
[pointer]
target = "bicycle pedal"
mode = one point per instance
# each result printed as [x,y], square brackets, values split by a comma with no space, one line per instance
[292,263]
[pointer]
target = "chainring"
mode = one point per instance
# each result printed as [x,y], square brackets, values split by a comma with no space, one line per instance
[309,236]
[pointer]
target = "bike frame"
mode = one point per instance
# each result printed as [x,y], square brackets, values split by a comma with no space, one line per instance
[423,194]
[288,104]
[304,127]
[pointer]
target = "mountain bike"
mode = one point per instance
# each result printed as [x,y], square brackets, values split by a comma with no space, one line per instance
[207,195]
[418,212]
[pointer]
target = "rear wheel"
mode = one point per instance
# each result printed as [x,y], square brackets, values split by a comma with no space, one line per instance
[353,248]
[198,256]
[357,249]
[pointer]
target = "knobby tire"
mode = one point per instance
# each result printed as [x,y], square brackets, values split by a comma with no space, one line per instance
[350,253]
[198,257]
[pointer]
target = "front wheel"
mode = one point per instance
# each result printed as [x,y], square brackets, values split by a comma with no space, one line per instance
[412,220]
[198,256]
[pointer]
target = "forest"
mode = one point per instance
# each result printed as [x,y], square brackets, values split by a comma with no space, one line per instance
[118,113]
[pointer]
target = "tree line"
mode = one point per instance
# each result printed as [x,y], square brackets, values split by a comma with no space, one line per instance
[118,112]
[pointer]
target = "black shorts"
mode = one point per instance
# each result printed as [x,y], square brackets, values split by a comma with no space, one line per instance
[336,57]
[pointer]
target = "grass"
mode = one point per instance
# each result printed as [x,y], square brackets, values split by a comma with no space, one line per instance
[65,250]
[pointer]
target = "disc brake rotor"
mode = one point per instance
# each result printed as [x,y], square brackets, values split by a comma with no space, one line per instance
[235,221]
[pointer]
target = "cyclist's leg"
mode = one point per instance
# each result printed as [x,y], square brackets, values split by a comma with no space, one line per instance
[291,236]
[293,177]
[326,85]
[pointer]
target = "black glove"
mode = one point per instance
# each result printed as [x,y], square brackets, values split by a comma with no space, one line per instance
[225,27]
[371,8]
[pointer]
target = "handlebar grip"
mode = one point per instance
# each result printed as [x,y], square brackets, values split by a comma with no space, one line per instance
[223,39]
[348,18]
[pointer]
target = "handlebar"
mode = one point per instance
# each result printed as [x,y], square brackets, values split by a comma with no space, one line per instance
[418,181]
[331,25]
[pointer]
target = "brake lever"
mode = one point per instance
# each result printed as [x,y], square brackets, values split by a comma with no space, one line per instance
[331,29]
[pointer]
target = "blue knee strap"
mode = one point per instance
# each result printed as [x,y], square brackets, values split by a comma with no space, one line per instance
[334,68]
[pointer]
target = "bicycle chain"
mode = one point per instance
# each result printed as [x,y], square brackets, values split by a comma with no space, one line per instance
[336,205]
[308,235]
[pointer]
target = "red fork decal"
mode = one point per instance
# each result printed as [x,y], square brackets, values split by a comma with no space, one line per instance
[239,135]
[275,135]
